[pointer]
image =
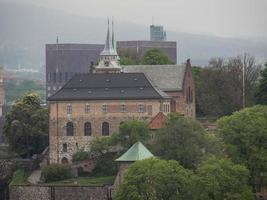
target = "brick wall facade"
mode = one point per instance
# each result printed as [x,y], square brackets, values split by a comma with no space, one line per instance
[59,118]
[184,101]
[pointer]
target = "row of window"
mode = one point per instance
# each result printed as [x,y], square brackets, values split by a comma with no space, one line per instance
[166,108]
[123,108]
[53,88]
[58,77]
[87,129]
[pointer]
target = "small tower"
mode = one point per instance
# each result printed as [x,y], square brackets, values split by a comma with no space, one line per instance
[109,59]
[137,152]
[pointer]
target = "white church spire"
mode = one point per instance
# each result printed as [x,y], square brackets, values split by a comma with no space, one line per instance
[109,59]
[112,38]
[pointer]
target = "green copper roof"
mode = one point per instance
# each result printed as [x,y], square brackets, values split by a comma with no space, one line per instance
[137,152]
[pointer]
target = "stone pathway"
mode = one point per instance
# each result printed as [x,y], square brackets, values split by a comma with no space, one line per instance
[34,178]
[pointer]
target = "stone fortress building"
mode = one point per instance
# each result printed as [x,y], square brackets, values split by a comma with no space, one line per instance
[95,104]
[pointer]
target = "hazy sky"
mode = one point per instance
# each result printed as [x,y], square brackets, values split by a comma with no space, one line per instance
[228,18]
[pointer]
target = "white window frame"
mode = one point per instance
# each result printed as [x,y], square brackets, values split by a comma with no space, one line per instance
[87,108]
[141,108]
[123,108]
[104,108]
[69,109]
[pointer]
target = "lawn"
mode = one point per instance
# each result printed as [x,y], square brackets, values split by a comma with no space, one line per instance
[20,178]
[85,181]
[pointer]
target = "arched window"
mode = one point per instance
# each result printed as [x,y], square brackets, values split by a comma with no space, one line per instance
[87,129]
[105,129]
[64,160]
[70,129]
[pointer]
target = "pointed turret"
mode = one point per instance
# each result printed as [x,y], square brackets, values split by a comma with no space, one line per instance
[107,44]
[112,38]
[137,152]
[109,59]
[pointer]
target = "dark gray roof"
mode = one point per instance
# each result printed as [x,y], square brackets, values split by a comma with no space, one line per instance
[121,86]
[165,77]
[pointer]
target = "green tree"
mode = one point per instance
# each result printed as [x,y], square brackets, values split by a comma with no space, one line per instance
[153,179]
[219,87]
[126,61]
[184,140]
[26,126]
[155,57]
[16,89]
[129,133]
[132,131]
[245,134]
[261,93]
[221,179]
[196,71]
[107,149]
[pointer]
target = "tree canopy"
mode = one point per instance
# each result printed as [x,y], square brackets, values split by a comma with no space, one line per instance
[261,93]
[221,179]
[26,126]
[16,89]
[107,149]
[245,134]
[155,57]
[184,140]
[153,179]
[219,86]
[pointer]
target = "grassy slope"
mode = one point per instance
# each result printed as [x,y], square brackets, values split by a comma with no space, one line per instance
[20,178]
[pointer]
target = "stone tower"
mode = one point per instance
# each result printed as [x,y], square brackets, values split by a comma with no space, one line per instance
[109,59]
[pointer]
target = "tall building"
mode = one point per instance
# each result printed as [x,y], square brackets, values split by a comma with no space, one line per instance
[94,104]
[157,33]
[137,49]
[65,60]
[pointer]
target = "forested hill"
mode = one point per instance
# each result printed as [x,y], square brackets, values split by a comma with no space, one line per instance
[25,29]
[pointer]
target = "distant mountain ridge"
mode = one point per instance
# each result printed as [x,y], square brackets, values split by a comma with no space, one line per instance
[25,29]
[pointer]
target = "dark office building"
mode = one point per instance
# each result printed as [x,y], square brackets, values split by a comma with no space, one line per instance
[65,60]
[137,49]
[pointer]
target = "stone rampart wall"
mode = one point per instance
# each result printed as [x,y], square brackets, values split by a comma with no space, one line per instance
[58,192]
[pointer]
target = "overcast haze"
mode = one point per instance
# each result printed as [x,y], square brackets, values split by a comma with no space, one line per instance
[227,18]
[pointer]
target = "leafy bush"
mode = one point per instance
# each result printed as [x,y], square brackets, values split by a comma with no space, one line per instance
[56,172]
[106,165]
[80,156]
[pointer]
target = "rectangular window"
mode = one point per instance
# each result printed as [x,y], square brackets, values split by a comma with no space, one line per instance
[87,108]
[55,77]
[69,109]
[65,147]
[105,108]
[60,77]
[141,108]
[123,108]
[66,76]
[48,77]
